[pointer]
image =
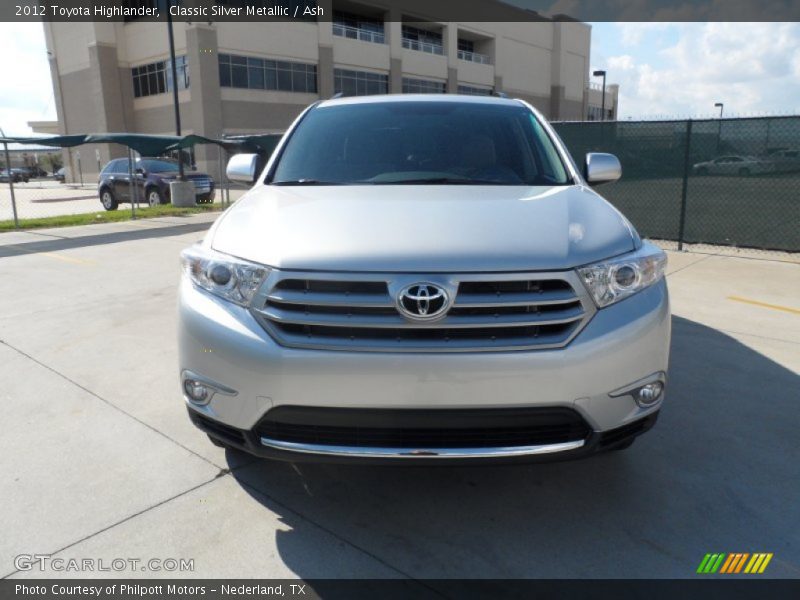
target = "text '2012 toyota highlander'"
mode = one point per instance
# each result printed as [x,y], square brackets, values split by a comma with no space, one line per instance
[423,278]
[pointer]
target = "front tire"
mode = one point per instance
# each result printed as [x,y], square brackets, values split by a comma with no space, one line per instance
[154,197]
[108,200]
[744,172]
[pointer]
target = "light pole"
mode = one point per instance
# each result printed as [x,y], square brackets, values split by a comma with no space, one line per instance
[175,87]
[603,105]
[721,107]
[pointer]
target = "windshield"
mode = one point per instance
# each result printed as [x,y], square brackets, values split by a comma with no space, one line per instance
[420,142]
[157,166]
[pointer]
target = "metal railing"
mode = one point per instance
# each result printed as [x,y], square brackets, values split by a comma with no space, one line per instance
[356,33]
[475,57]
[423,46]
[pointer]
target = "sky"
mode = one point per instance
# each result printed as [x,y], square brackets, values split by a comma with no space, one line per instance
[664,70]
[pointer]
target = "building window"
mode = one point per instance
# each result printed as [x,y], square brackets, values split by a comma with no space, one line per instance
[422,86]
[359,83]
[466,51]
[596,114]
[466,45]
[156,78]
[265,74]
[473,90]
[422,40]
[355,27]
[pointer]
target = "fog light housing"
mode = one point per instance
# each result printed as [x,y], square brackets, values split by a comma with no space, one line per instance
[198,392]
[646,392]
[649,394]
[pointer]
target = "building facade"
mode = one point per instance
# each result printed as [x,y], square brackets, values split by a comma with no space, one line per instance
[256,77]
[598,104]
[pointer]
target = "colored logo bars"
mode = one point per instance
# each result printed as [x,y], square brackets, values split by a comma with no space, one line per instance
[734,563]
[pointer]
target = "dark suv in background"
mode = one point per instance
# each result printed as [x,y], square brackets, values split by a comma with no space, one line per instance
[153,176]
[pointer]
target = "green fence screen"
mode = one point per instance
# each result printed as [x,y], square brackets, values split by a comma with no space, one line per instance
[731,182]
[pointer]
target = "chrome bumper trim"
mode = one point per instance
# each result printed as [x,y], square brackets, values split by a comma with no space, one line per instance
[372,452]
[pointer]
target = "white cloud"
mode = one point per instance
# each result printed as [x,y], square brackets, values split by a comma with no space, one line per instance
[751,67]
[27,91]
[632,34]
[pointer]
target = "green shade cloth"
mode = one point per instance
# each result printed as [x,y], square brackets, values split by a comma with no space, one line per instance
[155,145]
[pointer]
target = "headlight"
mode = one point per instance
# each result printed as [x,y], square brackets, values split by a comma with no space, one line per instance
[615,279]
[225,276]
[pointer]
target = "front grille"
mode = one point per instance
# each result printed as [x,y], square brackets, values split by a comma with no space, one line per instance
[202,183]
[410,428]
[359,313]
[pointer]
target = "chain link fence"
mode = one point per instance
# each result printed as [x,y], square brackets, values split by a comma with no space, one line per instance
[719,182]
[33,189]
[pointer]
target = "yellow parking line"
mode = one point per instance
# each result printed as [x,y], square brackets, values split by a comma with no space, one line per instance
[69,259]
[765,305]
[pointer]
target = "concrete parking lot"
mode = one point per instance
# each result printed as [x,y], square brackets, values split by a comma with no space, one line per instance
[100,461]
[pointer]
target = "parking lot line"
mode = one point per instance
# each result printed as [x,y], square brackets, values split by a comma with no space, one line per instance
[765,305]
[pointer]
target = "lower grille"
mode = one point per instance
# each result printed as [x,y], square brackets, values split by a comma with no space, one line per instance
[405,428]
[216,428]
[360,312]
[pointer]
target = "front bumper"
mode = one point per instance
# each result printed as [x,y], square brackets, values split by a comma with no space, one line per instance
[223,344]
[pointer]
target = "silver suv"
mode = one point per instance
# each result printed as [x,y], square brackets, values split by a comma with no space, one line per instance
[423,278]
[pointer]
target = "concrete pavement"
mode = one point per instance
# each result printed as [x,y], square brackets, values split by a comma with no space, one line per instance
[99,459]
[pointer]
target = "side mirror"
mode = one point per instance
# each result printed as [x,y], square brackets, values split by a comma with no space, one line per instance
[140,171]
[242,167]
[602,168]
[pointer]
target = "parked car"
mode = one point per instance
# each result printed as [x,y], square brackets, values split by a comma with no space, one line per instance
[15,175]
[733,165]
[423,277]
[785,161]
[21,175]
[60,175]
[152,176]
[35,172]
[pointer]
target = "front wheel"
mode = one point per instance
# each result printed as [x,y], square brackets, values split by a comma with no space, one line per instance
[154,197]
[744,172]
[107,200]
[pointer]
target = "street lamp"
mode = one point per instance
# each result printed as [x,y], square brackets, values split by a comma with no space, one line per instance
[175,88]
[603,75]
[721,107]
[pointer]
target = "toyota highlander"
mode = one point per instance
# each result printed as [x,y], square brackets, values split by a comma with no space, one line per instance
[423,278]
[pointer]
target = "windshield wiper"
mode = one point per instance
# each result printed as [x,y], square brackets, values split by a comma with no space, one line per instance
[306,182]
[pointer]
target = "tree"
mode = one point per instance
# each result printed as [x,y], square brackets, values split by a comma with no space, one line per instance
[52,162]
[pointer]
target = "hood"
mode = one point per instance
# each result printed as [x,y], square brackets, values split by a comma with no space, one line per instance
[427,228]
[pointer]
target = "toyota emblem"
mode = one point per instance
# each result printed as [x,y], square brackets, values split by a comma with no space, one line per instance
[422,301]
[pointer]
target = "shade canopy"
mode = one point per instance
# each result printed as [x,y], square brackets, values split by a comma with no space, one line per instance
[155,145]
